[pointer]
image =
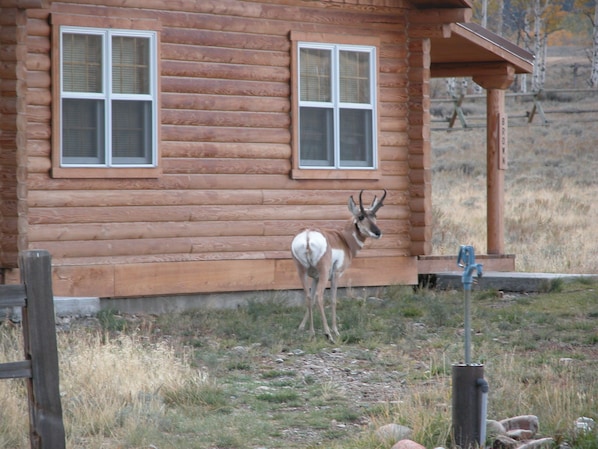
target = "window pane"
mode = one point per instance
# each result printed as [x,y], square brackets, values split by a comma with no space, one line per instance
[130,65]
[82,63]
[83,131]
[315,81]
[316,137]
[131,132]
[356,138]
[354,77]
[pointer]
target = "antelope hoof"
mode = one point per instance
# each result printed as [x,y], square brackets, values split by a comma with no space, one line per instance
[329,337]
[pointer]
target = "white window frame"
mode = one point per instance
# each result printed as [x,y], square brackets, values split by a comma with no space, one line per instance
[336,105]
[107,96]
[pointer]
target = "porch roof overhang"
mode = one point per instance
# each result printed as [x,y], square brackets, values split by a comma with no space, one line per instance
[461,48]
[468,49]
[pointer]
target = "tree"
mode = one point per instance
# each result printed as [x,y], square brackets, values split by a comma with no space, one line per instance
[546,17]
[589,9]
[489,14]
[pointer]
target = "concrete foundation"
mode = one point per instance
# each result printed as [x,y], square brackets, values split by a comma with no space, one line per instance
[506,281]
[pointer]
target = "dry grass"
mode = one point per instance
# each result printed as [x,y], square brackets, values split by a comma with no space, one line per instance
[110,387]
[551,181]
[245,379]
[550,199]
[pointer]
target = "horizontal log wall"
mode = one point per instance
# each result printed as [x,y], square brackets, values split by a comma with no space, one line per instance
[13,127]
[225,200]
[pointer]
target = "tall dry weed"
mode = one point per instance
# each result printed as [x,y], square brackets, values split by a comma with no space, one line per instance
[111,387]
[551,185]
[14,418]
[557,391]
[114,384]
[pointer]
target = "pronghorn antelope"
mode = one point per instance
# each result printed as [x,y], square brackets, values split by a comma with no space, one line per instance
[324,254]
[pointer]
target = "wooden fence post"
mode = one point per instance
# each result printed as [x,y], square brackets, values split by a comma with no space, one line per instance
[39,328]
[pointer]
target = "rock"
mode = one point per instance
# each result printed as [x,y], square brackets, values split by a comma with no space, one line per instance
[520,434]
[504,442]
[393,432]
[407,444]
[494,428]
[584,424]
[526,422]
[537,444]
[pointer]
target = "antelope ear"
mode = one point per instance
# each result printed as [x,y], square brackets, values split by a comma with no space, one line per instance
[353,207]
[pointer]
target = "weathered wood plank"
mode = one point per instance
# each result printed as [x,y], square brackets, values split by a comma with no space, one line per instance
[247,275]
[185,245]
[209,38]
[178,52]
[225,71]
[153,230]
[126,214]
[177,100]
[115,231]
[39,181]
[92,277]
[109,198]
[208,275]
[45,408]
[188,117]
[200,150]
[224,87]
[227,166]
[224,134]
[37,27]
[12,296]
[15,370]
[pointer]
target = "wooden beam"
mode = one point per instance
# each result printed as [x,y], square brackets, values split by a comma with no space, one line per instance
[45,408]
[430,30]
[480,70]
[15,370]
[439,15]
[12,295]
[211,276]
[496,151]
[501,78]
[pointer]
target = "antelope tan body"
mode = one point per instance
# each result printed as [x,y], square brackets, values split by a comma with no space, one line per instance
[325,254]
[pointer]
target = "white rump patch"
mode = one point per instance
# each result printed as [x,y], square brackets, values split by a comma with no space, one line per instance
[338,260]
[317,247]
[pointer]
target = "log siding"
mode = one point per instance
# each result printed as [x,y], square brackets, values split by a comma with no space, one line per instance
[221,212]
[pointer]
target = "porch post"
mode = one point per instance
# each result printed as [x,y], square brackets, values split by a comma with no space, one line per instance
[496,153]
[495,166]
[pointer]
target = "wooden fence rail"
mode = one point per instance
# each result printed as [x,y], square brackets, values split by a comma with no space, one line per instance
[535,100]
[40,367]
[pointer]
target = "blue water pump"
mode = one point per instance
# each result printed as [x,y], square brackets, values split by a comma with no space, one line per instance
[470,389]
[466,260]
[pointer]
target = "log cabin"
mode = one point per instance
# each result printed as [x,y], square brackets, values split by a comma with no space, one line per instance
[175,147]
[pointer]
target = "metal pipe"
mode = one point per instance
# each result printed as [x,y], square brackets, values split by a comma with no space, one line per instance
[466,260]
[467,404]
[484,387]
[467,327]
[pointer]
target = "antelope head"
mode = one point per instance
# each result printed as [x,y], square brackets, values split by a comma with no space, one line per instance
[365,218]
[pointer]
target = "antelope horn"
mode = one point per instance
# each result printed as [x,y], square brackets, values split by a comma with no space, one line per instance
[361,204]
[378,204]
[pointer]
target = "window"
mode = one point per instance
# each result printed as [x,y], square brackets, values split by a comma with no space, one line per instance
[108,98]
[336,101]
